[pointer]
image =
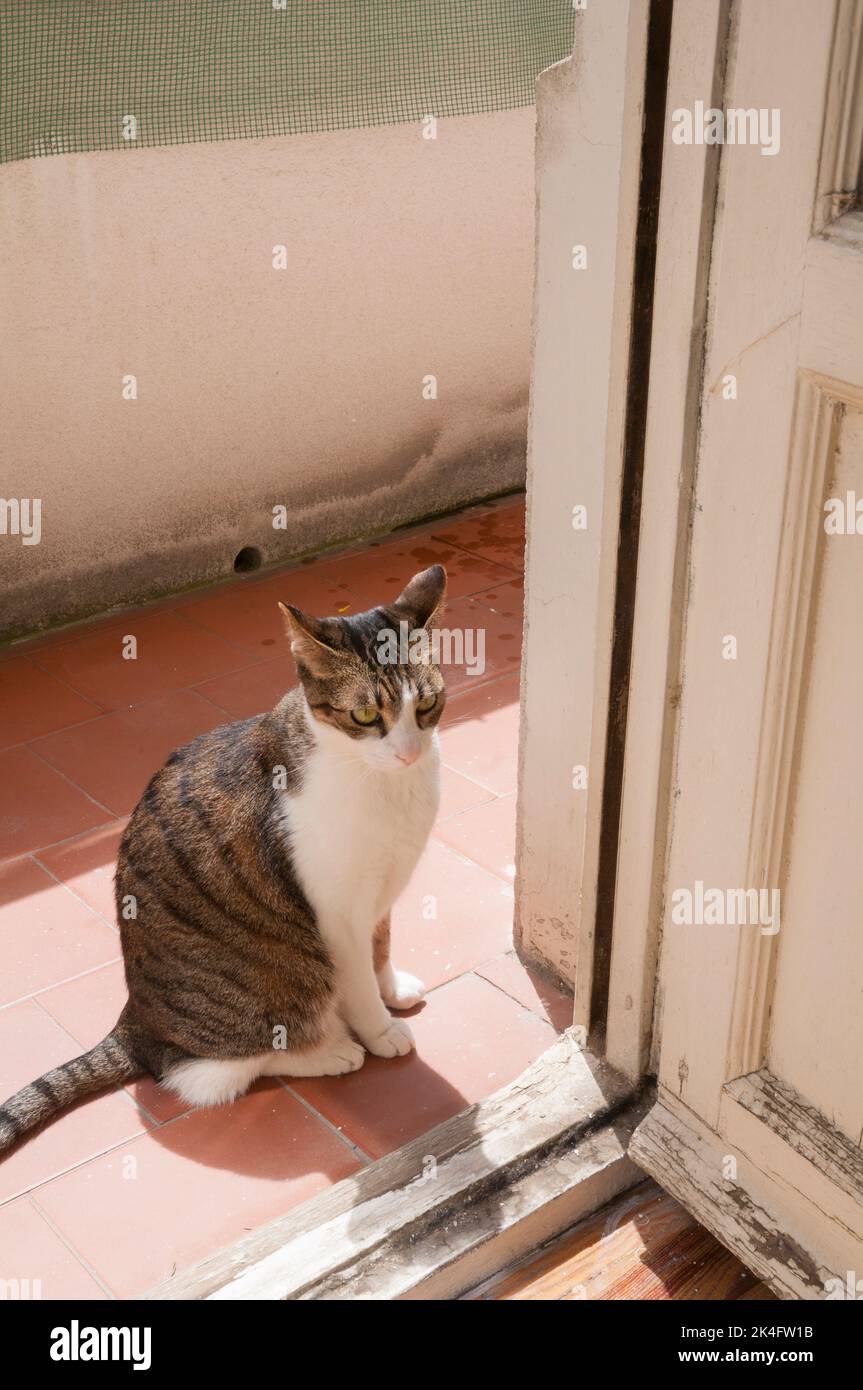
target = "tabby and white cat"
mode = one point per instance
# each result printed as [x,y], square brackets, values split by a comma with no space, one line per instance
[261,864]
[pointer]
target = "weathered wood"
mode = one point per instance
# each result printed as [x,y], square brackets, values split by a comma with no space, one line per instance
[785,1112]
[759,1293]
[842,140]
[643,1245]
[690,1162]
[821,1168]
[492,1228]
[554,1138]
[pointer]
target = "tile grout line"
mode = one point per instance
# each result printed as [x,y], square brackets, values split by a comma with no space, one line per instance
[115,1088]
[484,684]
[220,709]
[492,795]
[233,647]
[33,1187]
[34,855]
[226,641]
[64,840]
[72,783]
[125,708]
[543,1018]
[249,664]
[349,1143]
[76,1254]
[451,815]
[46,989]
[61,680]
[478,555]
[34,662]
[465,858]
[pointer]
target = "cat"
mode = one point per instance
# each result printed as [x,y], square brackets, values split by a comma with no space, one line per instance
[256,875]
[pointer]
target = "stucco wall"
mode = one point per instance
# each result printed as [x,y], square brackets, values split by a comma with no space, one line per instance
[257,387]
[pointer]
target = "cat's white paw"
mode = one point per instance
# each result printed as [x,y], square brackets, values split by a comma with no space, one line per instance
[342,1057]
[405,992]
[396,1041]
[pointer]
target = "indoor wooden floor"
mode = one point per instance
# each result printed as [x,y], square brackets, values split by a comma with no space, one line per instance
[644,1245]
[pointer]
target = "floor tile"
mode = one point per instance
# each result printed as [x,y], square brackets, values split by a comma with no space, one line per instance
[193,1186]
[86,864]
[479,734]
[68,632]
[451,917]
[495,531]
[38,805]
[171,653]
[252,691]
[30,1044]
[471,1040]
[457,793]
[178,1183]
[485,834]
[114,757]
[46,933]
[32,702]
[531,989]
[247,613]
[483,644]
[31,1255]
[379,575]
[88,1008]
[505,599]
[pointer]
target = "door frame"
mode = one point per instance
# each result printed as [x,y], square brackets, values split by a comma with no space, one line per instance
[599,143]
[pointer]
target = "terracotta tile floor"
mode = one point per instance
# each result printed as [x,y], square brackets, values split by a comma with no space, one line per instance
[129,1187]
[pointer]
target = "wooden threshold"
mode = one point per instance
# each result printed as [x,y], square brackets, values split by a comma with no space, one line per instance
[448,1209]
[641,1246]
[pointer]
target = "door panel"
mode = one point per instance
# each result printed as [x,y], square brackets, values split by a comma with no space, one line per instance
[814,1048]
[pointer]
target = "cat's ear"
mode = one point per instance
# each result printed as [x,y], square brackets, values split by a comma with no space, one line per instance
[423,597]
[314,641]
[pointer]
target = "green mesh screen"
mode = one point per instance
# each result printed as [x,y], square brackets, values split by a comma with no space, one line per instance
[119,74]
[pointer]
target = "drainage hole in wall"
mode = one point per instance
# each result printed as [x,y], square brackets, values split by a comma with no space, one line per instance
[247,559]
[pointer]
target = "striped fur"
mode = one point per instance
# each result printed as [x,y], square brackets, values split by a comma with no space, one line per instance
[222,952]
[110,1061]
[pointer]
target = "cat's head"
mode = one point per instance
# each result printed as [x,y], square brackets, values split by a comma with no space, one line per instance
[370,679]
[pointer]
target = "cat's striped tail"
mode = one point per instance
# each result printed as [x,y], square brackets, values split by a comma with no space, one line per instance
[110,1061]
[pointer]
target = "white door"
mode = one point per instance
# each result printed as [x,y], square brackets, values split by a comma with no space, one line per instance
[759,1031]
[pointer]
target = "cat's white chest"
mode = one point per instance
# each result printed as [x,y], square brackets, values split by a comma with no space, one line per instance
[355,834]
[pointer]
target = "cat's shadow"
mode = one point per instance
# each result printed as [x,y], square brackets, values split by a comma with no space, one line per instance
[325,1128]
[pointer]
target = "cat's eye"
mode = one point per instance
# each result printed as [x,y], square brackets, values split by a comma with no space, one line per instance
[426,703]
[365,714]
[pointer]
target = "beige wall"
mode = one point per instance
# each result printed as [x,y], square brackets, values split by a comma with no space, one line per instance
[256,387]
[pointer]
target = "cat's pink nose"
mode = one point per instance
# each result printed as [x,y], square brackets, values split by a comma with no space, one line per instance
[408,758]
